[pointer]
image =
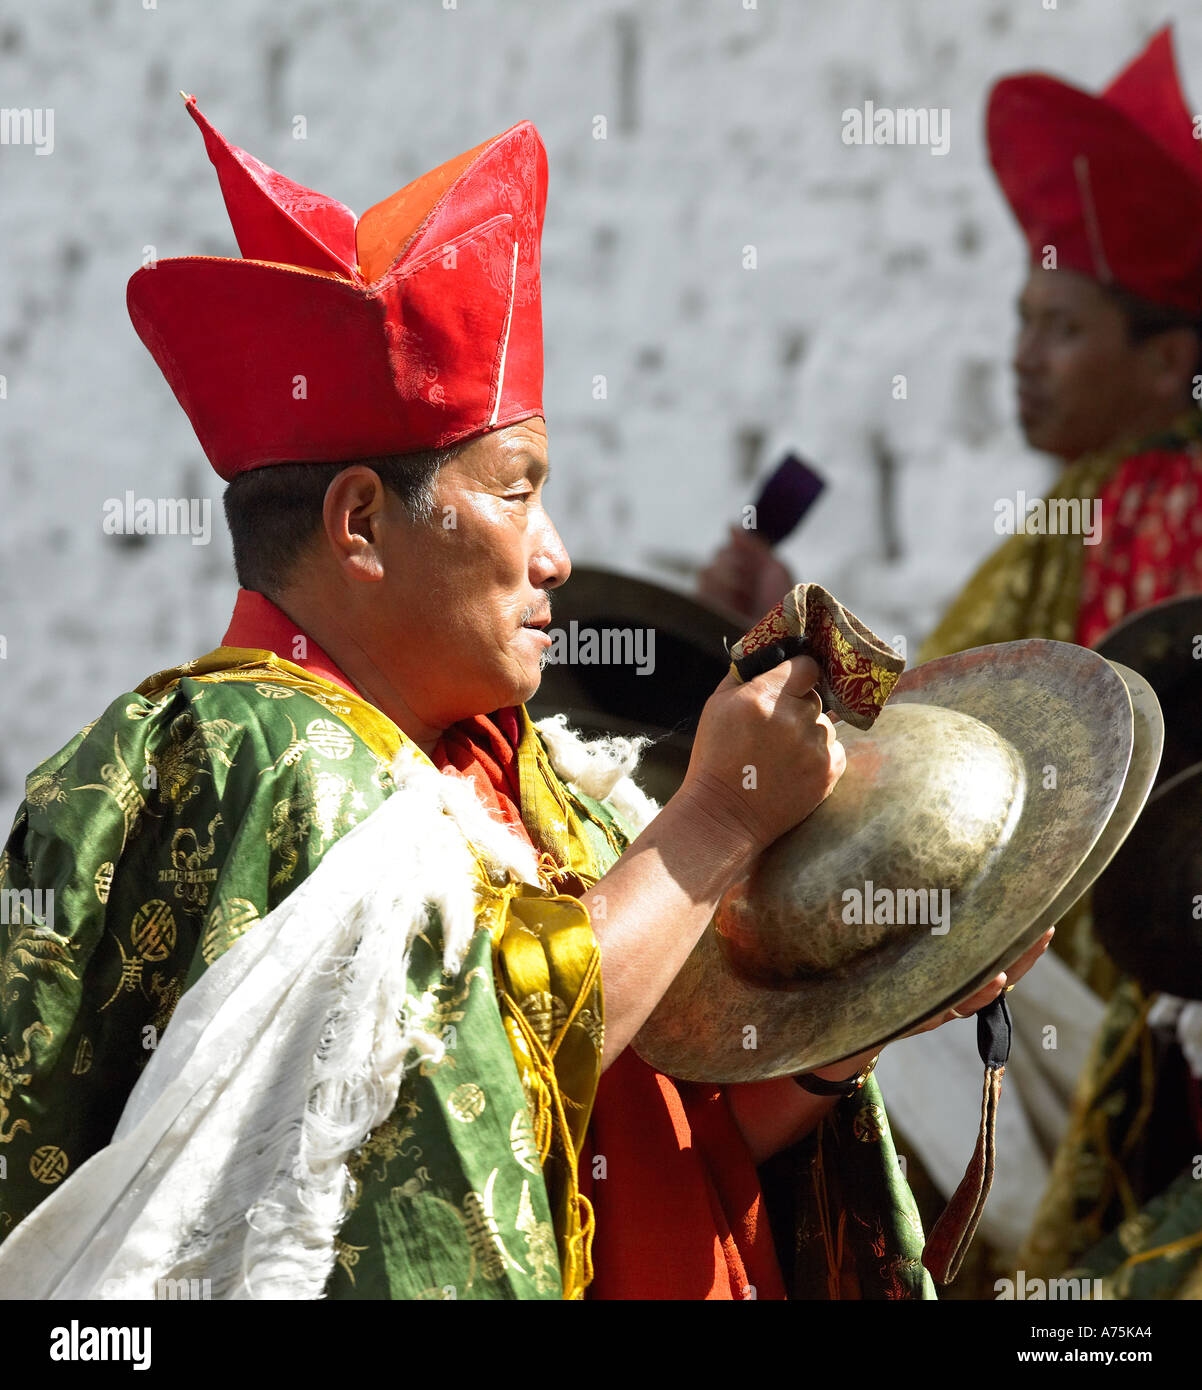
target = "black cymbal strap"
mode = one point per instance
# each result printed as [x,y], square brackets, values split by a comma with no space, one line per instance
[952,1234]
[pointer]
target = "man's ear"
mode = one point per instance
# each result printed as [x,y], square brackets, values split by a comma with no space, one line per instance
[353,521]
[1173,359]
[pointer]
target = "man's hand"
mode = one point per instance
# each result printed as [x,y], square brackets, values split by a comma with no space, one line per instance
[764,757]
[988,993]
[765,754]
[966,1008]
[745,576]
[772,1115]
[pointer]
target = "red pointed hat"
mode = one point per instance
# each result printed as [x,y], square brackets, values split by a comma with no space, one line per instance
[1113,182]
[415,327]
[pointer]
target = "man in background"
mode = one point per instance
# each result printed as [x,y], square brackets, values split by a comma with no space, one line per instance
[1108,192]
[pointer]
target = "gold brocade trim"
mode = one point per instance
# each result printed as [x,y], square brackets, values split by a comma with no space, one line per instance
[1030,586]
[1174,1247]
[833,1250]
[552,814]
[1147,1083]
[1124,1045]
[254,664]
[571,1210]
[1068,1221]
[537,938]
[1191,1289]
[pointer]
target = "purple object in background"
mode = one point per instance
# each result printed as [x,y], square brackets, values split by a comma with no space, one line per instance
[790,492]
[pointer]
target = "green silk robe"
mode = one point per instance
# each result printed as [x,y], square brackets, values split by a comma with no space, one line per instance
[143,850]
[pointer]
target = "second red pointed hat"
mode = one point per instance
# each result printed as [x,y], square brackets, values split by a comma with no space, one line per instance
[1113,182]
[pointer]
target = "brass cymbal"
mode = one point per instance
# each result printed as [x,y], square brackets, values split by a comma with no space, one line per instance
[974,804]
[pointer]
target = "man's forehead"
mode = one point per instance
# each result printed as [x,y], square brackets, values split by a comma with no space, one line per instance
[1059,289]
[524,443]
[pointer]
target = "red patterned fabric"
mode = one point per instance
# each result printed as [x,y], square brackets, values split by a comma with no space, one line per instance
[484,750]
[416,327]
[857,671]
[1112,182]
[1151,546]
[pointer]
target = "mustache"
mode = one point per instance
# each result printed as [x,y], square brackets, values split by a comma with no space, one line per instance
[542,611]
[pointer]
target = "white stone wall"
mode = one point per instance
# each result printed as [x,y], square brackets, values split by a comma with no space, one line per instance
[724,132]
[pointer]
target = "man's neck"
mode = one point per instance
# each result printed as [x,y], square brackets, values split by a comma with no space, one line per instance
[1159,420]
[319,619]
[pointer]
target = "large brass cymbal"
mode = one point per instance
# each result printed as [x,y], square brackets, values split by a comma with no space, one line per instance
[990,776]
[1147,744]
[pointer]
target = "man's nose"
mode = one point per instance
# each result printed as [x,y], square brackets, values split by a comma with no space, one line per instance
[549,565]
[1026,358]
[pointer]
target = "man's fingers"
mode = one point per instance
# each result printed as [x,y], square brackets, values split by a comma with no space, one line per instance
[748,542]
[801,675]
[1029,958]
[988,993]
[795,677]
[985,995]
[965,1008]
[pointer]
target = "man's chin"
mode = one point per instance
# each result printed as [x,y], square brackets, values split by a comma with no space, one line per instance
[1041,434]
[532,688]
[524,685]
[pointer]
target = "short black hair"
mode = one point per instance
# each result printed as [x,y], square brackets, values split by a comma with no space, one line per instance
[1146,319]
[274,511]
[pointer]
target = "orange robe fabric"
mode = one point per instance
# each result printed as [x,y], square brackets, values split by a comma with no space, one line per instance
[258,624]
[677,1201]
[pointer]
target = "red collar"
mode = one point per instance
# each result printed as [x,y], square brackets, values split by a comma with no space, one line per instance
[257,623]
